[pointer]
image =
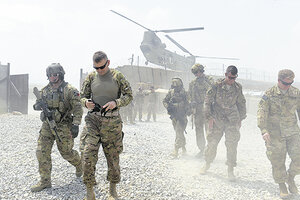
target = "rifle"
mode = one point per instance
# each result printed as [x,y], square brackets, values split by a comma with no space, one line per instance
[47,112]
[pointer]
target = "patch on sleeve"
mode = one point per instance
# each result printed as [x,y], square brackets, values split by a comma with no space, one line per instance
[265,97]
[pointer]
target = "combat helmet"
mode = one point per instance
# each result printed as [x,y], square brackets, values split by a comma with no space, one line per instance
[197,68]
[176,82]
[55,68]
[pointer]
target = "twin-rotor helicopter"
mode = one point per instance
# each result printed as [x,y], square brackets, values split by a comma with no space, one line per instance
[155,51]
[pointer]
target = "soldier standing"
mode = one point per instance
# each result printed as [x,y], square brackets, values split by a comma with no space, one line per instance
[177,105]
[197,92]
[225,108]
[63,102]
[104,88]
[277,121]
[139,101]
[152,104]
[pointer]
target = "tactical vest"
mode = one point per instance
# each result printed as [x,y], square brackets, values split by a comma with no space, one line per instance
[55,99]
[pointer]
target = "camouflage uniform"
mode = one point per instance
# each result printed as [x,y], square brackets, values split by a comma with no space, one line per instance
[105,130]
[197,92]
[65,102]
[152,101]
[139,101]
[127,113]
[176,102]
[277,116]
[227,106]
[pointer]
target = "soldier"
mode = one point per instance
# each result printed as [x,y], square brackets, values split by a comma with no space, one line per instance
[139,101]
[127,113]
[103,88]
[152,99]
[177,105]
[225,108]
[63,101]
[277,120]
[197,92]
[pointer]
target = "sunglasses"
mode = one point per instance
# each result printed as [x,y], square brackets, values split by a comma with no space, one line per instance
[232,77]
[101,67]
[286,83]
[53,75]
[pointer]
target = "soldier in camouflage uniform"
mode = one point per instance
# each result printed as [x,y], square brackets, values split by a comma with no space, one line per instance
[139,101]
[152,101]
[277,121]
[197,92]
[177,105]
[225,108]
[64,101]
[103,87]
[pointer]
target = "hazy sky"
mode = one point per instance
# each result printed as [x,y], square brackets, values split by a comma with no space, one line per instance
[264,34]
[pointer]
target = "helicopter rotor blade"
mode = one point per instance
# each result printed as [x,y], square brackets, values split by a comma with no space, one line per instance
[178,45]
[180,30]
[130,20]
[216,58]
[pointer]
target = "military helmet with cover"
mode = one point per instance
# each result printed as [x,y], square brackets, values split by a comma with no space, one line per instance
[176,82]
[55,68]
[197,68]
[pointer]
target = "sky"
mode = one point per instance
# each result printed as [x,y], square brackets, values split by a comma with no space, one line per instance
[263,34]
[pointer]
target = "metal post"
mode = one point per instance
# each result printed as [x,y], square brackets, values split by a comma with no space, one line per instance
[8,88]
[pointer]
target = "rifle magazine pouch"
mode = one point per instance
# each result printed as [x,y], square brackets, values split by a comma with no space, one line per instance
[61,107]
[57,115]
[42,117]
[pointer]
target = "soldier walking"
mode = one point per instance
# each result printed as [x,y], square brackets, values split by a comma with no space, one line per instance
[152,103]
[139,101]
[225,108]
[177,105]
[63,103]
[197,91]
[108,90]
[277,121]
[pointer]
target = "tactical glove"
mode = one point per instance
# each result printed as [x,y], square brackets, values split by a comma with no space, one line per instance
[74,130]
[37,105]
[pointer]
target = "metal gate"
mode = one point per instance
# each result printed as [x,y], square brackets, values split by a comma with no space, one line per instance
[19,89]
[13,91]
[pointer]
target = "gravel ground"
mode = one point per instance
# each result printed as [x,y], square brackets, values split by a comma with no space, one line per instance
[148,172]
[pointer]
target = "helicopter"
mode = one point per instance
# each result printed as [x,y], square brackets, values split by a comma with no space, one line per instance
[156,52]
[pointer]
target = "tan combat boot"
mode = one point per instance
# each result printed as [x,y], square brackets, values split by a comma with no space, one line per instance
[40,186]
[292,185]
[204,169]
[283,191]
[183,151]
[79,170]
[231,176]
[174,154]
[113,191]
[90,194]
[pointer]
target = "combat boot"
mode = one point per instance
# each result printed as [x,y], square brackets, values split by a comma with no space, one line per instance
[231,176]
[292,185]
[283,191]
[204,169]
[40,186]
[174,154]
[90,194]
[183,151]
[113,191]
[79,170]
